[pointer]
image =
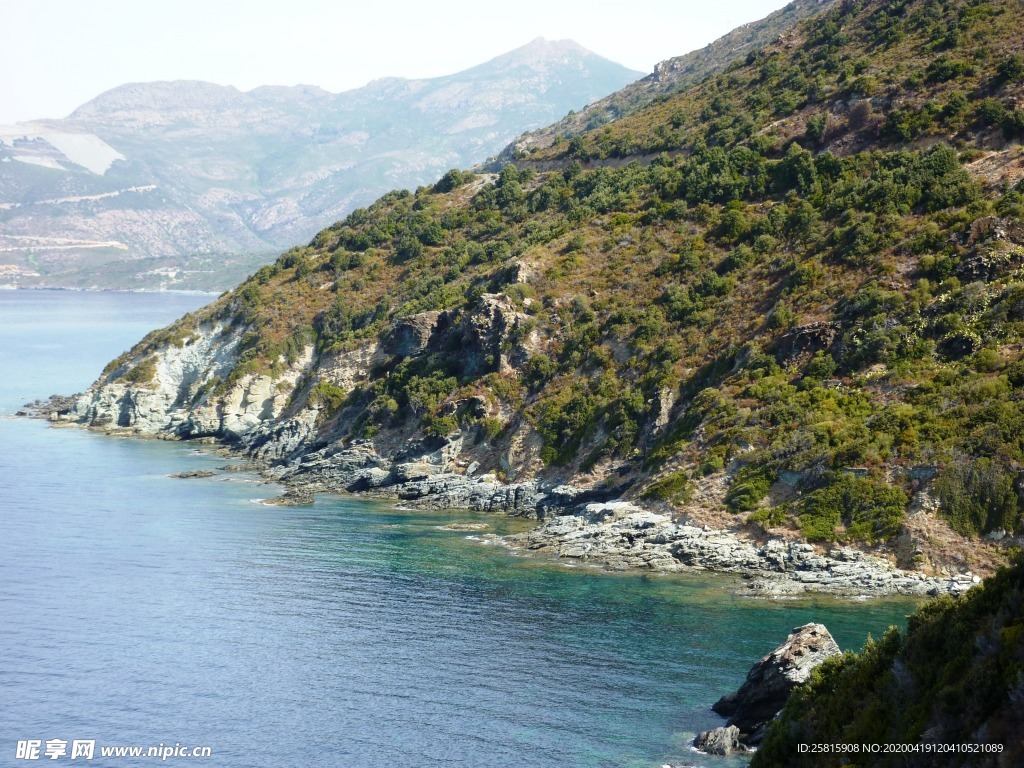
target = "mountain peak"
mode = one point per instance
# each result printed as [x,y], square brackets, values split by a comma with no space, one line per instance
[159,96]
[541,51]
[541,45]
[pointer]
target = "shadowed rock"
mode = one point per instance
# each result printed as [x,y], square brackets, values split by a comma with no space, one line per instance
[773,678]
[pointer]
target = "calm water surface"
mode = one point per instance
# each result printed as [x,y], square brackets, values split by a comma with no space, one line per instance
[136,609]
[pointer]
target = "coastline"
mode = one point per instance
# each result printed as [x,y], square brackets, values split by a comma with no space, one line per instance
[594,527]
[183,292]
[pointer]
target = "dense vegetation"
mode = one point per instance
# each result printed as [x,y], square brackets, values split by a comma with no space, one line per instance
[955,677]
[811,262]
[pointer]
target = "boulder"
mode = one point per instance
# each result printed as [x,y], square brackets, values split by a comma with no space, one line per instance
[771,680]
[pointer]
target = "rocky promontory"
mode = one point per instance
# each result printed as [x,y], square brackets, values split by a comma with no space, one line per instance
[763,694]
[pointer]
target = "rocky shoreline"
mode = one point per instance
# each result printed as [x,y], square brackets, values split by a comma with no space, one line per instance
[587,526]
[621,535]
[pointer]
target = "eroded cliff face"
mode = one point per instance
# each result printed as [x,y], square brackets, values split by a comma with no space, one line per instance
[177,394]
[195,385]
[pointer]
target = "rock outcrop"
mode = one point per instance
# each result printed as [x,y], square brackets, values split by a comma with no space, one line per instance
[720,741]
[621,535]
[770,681]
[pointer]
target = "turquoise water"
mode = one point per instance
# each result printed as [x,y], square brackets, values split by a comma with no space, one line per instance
[136,609]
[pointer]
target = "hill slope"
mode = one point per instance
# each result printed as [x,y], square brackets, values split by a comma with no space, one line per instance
[189,175]
[669,77]
[786,301]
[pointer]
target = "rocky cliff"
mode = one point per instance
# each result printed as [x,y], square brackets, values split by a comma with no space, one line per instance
[752,709]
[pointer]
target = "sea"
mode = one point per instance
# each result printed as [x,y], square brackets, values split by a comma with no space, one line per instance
[140,611]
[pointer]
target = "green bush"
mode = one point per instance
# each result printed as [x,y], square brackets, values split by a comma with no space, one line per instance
[141,374]
[491,428]
[768,517]
[870,509]
[439,426]
[327,396]
[1011,69]
[674,487]
[978,496]
[453,180]
[748,488]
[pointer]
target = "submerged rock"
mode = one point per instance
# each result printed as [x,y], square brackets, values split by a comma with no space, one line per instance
[465,527]
[773,678]
[194,473]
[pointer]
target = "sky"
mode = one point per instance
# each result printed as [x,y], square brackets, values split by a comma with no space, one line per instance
[57,54]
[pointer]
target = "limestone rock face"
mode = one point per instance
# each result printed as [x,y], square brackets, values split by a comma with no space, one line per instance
[347,369]
[180,398]
[773,678]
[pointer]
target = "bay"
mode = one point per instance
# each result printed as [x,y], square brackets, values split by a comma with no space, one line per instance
[138,609]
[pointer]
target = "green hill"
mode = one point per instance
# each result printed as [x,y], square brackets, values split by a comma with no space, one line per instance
[669,77]
[787,299]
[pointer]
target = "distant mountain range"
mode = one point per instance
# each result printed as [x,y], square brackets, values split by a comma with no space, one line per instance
[192,185]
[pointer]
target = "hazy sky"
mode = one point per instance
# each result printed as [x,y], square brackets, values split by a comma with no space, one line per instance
[58,54]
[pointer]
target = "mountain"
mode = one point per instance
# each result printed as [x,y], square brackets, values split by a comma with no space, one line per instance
[784,304]
[190,184]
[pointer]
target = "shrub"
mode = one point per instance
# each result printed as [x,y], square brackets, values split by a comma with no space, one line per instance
[491,428]
[990,112]
[768,517]
[674,487]
[1011,69]
[141,374]
[748,488]
[453,180]
[978,496]
[439,426]
[327,396]
[821,366]
[870,509]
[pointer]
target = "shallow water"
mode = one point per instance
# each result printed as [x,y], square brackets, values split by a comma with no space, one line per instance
[137,609]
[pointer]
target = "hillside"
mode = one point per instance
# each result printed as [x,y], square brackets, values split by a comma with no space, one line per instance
[669,77]
[951,685]
[785,302]
[194,185]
